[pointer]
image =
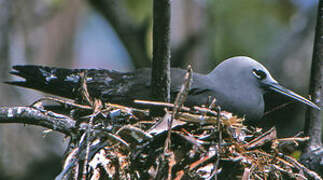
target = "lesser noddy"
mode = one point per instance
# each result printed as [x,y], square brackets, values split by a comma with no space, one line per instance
[238,84]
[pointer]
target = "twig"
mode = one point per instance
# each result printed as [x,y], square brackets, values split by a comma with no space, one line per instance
[72,158]
[196,118]
[277,108]
[301,139]
[87,150]
[168,156]
[135,129]
[83,88]
[179,101]
[61,101]
[300,166]
[76,171]
[162,104]
[118,139]
[86,96]
[267,136]
[191,139]
[219,147]
[205,110]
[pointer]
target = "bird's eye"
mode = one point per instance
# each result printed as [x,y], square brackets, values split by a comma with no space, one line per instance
[261,75]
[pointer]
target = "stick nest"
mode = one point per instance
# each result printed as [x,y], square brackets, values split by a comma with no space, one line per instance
[118,142]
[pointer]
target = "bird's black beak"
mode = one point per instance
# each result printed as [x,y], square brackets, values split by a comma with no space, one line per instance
[276,87]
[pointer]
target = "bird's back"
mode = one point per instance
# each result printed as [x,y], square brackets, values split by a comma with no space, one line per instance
[108,85]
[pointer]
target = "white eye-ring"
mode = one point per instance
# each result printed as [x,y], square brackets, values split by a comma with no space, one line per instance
[261,75]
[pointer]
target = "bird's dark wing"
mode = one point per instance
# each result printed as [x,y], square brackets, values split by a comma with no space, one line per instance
[107,85]
[57,81]
[66,82]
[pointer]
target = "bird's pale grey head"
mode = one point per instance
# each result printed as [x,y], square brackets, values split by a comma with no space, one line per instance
[244,71]
[247,81]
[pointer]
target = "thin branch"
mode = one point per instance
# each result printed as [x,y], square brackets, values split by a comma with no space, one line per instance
[179,102]
[220,139]
[161,104]
[32,116]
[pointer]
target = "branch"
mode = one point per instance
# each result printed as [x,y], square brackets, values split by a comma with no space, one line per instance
[160,77]
[32,116]
[313,118]
[132,35]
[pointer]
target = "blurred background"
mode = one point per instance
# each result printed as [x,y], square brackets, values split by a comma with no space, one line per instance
[117,34]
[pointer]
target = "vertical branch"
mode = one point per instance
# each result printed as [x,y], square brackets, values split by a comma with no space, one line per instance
[313,118]
[160,81]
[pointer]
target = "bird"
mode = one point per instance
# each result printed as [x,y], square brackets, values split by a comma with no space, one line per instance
[238,84]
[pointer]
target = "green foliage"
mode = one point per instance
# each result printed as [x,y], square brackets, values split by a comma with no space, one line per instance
[140,9]
[247,27]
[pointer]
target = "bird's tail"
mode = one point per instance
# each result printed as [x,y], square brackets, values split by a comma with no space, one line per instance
[57,81]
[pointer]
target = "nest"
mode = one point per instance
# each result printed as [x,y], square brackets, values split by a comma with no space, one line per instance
[120,142]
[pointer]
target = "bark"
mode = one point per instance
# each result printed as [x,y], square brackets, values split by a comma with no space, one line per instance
[313,150]
[312,156]
[32,116]
[160,80]
[313,117]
